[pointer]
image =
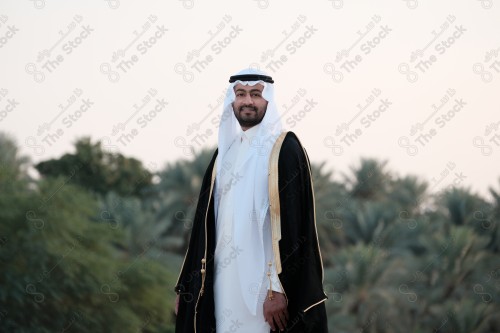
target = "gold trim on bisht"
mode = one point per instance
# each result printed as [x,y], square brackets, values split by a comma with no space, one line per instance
[274,200]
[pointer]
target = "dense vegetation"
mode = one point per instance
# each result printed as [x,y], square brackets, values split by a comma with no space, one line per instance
[96,243]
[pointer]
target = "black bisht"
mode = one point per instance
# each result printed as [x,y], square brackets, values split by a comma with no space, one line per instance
[301,275]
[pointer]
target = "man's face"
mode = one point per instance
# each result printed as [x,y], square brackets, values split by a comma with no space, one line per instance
[249,106]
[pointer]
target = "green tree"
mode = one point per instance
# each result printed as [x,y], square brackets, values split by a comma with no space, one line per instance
[328,196]
[95,169]
[14,175]
[96,249]
[61,269]
[368,181]
[174,198]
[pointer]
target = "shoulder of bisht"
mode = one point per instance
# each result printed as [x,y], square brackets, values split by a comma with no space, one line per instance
[274,199]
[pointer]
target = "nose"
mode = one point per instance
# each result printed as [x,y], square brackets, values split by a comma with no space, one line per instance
[248,100]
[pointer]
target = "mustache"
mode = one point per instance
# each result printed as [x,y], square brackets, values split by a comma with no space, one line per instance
[248,107]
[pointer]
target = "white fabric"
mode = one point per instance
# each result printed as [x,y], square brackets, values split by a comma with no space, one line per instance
[242,213]
[228,177]
[230,308]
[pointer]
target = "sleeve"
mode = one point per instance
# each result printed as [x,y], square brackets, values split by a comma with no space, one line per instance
[302,269]
[276,285]
[268,250]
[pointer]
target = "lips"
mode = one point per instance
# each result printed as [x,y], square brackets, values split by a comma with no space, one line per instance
[247,109]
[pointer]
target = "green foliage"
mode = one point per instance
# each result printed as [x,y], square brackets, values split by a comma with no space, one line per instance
[400,268]
[61,268]
[13,167]
[174,198]
[95,246]
[369,180]
[99,171]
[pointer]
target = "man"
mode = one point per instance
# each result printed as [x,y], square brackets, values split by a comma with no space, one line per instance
[253,263]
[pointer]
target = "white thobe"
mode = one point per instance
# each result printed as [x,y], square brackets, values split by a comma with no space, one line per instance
[231,312]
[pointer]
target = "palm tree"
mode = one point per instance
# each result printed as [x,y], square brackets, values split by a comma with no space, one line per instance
[174,198]
[369,180]
[408,192]
[328,195]
[361,292]
[460,205]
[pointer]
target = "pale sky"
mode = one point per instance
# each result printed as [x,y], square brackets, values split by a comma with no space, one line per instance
[416,83]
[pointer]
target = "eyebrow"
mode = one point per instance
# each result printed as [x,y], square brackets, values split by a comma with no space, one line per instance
[252,90]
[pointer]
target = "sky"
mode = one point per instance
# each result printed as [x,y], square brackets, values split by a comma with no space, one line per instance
[413,83]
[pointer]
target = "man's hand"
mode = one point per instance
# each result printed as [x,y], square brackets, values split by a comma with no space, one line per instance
[275,311]
[177,304]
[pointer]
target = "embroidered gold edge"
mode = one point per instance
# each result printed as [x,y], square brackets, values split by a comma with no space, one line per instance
[274,200]
[313,305]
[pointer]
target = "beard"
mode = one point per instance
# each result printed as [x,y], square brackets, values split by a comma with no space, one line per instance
[252,119]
